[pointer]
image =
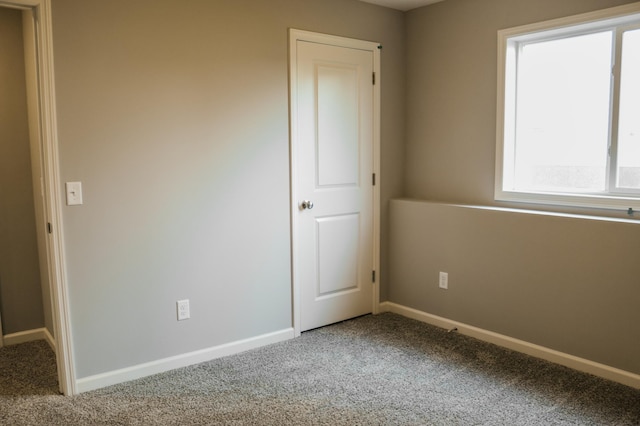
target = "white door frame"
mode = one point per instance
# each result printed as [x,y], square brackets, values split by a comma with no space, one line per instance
[41,10]
[294,37]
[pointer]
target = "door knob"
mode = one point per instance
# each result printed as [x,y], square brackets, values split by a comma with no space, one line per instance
[306,204]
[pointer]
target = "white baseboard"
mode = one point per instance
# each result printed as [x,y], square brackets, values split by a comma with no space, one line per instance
[29,336]
[50,340]
[97,381]
[574,362]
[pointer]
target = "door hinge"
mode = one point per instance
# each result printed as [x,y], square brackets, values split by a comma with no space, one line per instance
[49,227]
[374,78]
[373,276]
[373,179]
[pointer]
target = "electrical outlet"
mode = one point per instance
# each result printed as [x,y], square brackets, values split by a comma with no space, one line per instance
[444,280]
[183,309]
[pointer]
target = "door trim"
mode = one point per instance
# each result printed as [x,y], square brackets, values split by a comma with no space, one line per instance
[300,35]
[40,12]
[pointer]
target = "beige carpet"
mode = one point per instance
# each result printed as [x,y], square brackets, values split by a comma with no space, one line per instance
[374,370]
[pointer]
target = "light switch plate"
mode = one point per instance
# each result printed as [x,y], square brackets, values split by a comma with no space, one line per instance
[74,193]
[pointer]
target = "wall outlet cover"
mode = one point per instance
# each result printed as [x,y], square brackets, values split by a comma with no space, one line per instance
[183,309]
[444,280]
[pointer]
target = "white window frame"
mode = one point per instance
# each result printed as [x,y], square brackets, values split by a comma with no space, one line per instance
[508,42]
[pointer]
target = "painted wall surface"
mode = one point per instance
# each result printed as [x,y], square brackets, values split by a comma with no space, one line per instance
[451,101]
[569,284]
[565,283]
[174,116]
[20,291]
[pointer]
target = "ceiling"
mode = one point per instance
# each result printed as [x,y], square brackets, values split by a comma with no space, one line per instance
[403,5]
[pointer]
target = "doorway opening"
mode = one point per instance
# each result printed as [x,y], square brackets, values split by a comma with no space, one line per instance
[45,185]
[23,272]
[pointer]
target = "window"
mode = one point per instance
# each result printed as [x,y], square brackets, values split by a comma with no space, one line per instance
[569,111]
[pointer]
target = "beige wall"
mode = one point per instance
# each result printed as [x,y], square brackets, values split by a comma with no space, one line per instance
[569,284]
[20,291]
[174,116]
[451,101]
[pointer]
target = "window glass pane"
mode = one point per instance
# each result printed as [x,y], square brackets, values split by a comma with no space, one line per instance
[562,114]
[629,125]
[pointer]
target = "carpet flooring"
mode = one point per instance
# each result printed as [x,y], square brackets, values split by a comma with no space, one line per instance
[373,370]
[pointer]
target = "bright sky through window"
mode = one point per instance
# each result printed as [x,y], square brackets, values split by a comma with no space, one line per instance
[563,114]
[629,133]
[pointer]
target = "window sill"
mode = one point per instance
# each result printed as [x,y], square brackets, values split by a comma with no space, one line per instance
[594,202]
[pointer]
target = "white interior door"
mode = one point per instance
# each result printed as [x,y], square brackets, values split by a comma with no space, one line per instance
[333,195]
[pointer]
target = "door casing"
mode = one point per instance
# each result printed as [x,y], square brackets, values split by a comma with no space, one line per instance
[300,35]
